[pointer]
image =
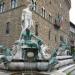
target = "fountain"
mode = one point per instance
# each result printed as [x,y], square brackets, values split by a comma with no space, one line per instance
[30,49]
[29,52]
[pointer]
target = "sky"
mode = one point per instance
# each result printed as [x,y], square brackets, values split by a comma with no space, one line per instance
[72,11]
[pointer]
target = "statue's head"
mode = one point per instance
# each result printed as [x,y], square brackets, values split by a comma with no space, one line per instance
[29,4]
[27,31]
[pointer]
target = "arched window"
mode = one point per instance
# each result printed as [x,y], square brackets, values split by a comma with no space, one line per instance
[36,29]
[55,38]
[7,28]
[14,3]
[49,34]
[61,38]
[50,17]
[2,7]
[43,12]
[34,5]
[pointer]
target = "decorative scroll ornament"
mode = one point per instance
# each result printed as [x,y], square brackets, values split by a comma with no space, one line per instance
[58,21]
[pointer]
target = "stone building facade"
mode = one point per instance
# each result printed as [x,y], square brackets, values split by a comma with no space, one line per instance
[50,19]
[72,35]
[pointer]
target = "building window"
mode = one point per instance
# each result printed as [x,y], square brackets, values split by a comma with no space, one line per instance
[36,29]
[34,5]
[43,12]
[50,2]
[61,38]
[2,7]
[50,18]
[13,3]
[49,34]
[55,38]
[60,5]
[7,28]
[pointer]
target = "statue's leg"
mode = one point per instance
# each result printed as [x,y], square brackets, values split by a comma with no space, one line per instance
[6,64]
[50,67]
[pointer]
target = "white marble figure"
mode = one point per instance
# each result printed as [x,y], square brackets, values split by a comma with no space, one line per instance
[26,19]
[44,52]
